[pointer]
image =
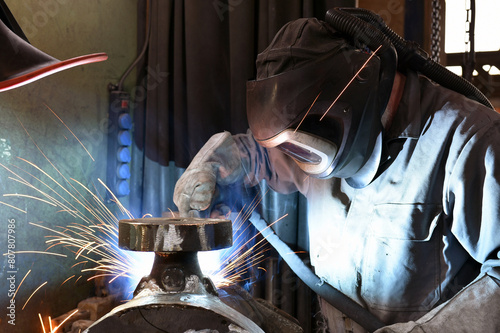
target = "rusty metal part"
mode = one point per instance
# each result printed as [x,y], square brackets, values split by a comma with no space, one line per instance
[175,234]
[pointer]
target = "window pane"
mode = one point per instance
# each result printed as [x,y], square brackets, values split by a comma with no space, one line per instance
[487,25]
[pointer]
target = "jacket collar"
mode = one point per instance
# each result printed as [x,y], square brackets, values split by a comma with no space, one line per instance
[407,121]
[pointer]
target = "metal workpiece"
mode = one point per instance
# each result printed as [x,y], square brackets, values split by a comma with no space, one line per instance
[189,234]
[175,297]
[176,242]
[176,313]
[175,272]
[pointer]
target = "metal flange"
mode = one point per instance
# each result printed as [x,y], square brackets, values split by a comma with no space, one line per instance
[175,234]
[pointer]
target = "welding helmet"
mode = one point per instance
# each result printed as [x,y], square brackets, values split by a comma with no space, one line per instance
[318,99]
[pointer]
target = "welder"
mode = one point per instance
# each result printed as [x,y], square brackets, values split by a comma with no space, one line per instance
[401,176]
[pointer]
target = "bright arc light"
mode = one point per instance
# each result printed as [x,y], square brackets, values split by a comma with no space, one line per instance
[210,262]
[143,264]
[486,25]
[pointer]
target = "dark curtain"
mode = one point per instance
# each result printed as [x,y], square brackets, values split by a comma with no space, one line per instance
[200,55]
[192,84]
[192,81]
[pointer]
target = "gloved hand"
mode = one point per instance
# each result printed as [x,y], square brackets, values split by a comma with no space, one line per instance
[217,163]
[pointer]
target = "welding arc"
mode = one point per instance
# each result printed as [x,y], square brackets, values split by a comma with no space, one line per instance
[333,296]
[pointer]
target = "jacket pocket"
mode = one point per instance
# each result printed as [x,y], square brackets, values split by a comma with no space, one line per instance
[402,257]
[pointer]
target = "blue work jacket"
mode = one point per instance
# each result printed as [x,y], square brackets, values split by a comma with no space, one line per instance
[425,227]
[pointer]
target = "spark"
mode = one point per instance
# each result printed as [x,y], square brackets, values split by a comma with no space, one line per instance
[62,122]
[79,263]
[352,79]
[40,252]
[92,238]
[117,276]
[43,284]
[82,249]
[84,237]
[62,322]
[72,276]
[115,199]
[19,209]
[239,260]
[97,276]
[62,202]
[307,112]
[40,150]
[19,286]
[41,321]
[55,329]
[85,240]
[29,197]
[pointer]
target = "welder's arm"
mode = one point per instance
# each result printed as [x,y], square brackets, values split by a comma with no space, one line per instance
[474,309]
[218,162]
[227,159]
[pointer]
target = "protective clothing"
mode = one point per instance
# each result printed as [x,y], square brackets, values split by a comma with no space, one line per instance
[409,241]
[218,162]
[299,102]
[423,230]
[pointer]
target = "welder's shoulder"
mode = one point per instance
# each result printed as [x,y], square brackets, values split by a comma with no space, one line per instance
[454,111]
[476,119]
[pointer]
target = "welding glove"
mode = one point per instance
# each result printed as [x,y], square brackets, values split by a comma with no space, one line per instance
[217,163]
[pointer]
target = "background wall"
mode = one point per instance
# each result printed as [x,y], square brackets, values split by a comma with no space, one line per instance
[63,29]
[391,11]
